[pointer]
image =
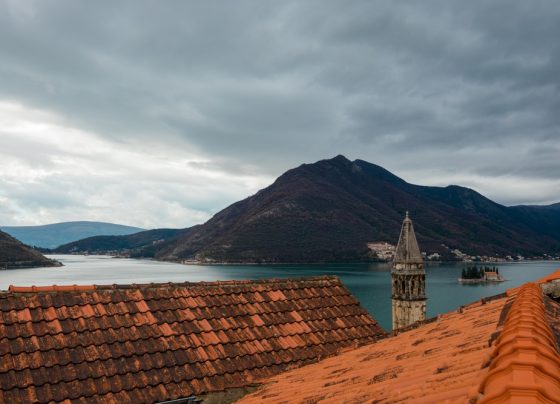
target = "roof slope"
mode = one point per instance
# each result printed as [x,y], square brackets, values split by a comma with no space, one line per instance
[149,343]
[497,350]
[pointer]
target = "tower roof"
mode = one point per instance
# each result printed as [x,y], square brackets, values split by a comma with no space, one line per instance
[407,251]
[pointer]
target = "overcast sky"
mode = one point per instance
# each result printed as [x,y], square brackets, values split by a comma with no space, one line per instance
[161,113]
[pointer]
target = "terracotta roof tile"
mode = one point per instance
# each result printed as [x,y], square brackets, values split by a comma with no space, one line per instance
[526,364]
[551,277]
[156,342]
[500,349]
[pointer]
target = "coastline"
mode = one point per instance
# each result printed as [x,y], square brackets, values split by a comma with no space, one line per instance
[474,281]
[227,263]
[188,262]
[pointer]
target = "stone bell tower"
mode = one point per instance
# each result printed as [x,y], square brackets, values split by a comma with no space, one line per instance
[408,279]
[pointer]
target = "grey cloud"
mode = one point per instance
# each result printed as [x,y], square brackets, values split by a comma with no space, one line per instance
[36,155]
[254,88]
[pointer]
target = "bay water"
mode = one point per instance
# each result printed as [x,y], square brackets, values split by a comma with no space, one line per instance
[370,283]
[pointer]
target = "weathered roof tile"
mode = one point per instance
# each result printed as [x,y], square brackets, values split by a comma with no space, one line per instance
[146,343]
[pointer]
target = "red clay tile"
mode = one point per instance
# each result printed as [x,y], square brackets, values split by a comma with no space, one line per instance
[525,365]
[446,360]
[157,342]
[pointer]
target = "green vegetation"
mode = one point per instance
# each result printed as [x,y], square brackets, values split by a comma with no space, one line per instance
[475,272]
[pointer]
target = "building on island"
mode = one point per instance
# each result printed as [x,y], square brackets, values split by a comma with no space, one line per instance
[408,276]
[491,275]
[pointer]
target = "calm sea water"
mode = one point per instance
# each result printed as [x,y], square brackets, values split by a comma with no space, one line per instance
[370,283]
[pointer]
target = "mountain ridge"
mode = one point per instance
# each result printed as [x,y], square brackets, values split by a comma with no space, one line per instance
[138,245]
[55,234]
[329,210]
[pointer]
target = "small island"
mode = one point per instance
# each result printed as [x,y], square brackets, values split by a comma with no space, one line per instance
[475,274]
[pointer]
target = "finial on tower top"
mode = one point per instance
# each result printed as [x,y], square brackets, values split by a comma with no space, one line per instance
[407,214]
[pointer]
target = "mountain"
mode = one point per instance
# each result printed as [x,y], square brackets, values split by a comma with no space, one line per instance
[141,244]
[329,210]
[541,219]
[53,235]
[14,254]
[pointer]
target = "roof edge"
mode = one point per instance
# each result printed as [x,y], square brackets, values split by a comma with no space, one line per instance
[84,288]
[549,278]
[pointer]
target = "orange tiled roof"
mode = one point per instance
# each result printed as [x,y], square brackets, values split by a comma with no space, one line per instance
[498,350]
[552,277]
[555,276]
[525,364]
[149,343]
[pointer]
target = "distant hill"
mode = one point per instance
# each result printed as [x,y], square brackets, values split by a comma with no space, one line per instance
[53,235]
[142,244]
[329,210]
[14,254]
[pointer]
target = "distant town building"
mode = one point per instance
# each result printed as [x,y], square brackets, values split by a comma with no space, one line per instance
[383,250]
[408,279]
[434,257]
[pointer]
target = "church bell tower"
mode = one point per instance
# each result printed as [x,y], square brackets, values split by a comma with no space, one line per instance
[408,279]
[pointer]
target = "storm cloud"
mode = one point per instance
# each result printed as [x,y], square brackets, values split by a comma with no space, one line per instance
[162,113]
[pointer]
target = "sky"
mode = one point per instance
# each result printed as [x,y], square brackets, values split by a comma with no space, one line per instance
[160,114]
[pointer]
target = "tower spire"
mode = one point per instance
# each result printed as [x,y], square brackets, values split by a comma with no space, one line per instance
[407,251]
[408,279]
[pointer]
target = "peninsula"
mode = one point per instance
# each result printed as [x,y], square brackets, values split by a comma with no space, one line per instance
[14,254]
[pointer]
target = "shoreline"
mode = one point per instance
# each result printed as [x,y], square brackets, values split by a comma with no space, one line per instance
[474,281]
[227,263]
[193,262]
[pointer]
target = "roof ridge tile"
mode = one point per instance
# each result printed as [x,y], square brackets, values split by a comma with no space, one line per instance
[244,282]
[526,363]
[51,288]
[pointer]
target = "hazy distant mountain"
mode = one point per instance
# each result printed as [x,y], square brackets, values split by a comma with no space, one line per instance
[142,244]
[53,235]
[13,254]
[329,210]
